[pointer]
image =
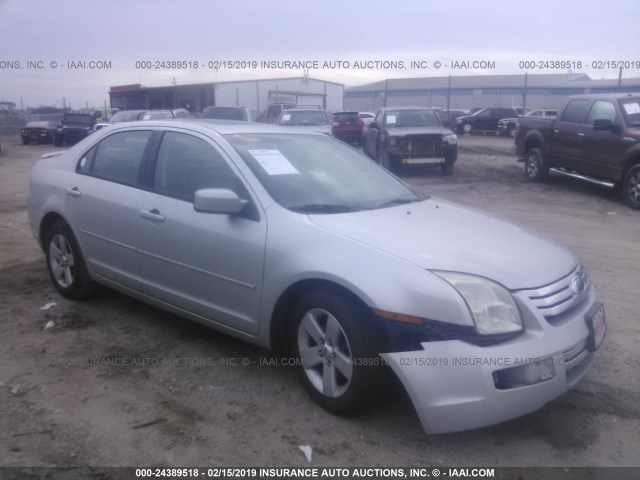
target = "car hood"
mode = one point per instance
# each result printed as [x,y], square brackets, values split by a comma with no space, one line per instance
[404,131]
[439,235]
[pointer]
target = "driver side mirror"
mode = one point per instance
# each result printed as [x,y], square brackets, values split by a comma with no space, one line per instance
[374,124]
[605,124]
[218,200]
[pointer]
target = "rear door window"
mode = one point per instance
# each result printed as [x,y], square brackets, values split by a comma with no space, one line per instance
[117,157]
[576,111]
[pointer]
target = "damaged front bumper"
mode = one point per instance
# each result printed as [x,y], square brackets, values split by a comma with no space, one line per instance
[455,385]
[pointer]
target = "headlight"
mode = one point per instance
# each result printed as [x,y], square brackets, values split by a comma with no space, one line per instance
[491,305]
[450,139]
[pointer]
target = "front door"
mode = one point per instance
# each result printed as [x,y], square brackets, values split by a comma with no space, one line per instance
[208,264]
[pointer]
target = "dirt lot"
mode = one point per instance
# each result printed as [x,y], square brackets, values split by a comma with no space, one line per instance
[117,383]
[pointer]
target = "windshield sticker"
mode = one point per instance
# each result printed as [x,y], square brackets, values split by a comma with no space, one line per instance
[273,162]
[632,108]
[286,117]
[391,119]
[146,117]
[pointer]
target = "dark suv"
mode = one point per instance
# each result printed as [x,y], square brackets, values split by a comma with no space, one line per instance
[73,128]
[347,126]
[410,136]
[485,120]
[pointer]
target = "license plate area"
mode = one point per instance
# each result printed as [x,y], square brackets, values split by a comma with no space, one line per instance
[597,325]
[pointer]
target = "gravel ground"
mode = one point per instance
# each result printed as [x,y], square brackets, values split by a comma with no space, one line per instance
[118,383]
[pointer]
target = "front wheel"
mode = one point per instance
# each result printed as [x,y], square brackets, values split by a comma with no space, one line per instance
[65,263]
[631,187]
[449,161]
[535,168]
[466,128]
[334,341]
[384,159]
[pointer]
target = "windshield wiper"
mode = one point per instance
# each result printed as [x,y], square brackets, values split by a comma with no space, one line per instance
[400,201]
[323,208]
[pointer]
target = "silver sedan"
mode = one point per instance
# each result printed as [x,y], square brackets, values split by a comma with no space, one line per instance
[294,241]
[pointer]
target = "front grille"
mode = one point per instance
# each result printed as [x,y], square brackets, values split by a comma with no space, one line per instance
[562,295]
[416,145]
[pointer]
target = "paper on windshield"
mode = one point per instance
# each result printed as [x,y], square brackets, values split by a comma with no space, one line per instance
[286,117]
[632,108]
[273,162]
[391,119]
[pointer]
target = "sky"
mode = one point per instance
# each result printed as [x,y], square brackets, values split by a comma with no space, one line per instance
[72,51]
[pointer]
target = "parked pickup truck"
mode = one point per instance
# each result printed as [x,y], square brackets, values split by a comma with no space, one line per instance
[595,138]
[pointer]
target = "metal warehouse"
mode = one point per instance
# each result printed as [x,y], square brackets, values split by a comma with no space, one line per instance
[254,94]
[465,92]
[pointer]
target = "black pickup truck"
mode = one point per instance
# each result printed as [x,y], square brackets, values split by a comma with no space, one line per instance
[595,138]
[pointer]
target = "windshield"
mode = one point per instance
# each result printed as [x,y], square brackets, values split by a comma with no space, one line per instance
[303,117]
[411,118]
[225,113]
[156,115]
[78,118]
[318,174]
[631,109]
[126,116]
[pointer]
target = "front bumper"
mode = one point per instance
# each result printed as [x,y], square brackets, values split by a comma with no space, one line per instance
[438,155]
[458,386]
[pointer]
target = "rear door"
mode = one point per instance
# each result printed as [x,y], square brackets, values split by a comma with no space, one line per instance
[100,204]
[208,264]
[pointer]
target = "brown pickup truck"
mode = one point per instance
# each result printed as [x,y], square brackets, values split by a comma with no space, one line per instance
[594,138]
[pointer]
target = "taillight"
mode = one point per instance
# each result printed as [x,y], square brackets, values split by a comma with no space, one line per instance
[335,124]
[360,122]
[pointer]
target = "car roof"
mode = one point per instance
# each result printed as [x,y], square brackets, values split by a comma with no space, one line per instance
[409,108]
[219,126]
[616,96]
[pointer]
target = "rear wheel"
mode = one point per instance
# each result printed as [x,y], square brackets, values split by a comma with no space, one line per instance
[631,187]
[65,264]
[535,168]
[337,347]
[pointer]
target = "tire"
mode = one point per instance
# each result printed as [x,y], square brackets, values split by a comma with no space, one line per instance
[511,132]
[336,346]
[57,141]
[631,187]
[535,168]
[467,128]
[66,266]
[384,159]
[449,162]
[25,141]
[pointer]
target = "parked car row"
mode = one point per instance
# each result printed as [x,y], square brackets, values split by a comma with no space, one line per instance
[508,126]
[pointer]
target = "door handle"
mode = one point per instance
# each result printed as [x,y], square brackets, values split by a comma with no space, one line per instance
[153,215]
[73,192]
